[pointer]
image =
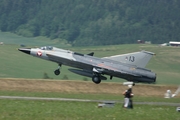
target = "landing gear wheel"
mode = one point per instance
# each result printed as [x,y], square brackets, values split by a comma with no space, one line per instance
[57,72]
[96,79]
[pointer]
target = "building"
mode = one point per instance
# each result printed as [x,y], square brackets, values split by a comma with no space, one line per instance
[174,43]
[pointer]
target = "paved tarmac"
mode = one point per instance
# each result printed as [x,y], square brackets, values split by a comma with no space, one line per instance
[85,100]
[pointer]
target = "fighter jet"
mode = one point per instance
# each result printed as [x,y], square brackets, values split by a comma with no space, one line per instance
[130,67]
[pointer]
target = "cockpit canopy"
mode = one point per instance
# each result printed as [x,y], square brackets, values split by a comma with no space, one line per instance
[47,48]
[50,48]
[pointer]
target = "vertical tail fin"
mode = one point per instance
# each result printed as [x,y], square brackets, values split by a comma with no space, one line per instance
[139,59]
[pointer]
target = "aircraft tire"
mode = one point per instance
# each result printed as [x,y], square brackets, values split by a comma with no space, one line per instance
[96,79]
[57,72]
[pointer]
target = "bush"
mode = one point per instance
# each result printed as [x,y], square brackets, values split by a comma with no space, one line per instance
[65,77]
[45,76]
[85,79]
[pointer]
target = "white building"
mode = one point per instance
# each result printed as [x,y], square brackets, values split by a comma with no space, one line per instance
[174,43]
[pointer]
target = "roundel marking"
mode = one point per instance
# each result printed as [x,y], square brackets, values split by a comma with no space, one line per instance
[39,53]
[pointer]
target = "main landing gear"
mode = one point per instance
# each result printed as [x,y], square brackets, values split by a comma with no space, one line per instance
[57,71]
[96,78]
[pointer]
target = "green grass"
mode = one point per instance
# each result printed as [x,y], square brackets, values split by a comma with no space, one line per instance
[10,38]
[45,110]
[15,64]
[58,110]
[110,97]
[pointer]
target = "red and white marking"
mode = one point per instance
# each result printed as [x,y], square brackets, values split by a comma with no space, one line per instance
[39,53]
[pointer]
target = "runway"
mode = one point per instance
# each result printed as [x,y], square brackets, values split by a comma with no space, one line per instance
[85,100]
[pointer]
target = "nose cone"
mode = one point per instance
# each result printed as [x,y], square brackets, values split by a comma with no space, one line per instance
[25,50]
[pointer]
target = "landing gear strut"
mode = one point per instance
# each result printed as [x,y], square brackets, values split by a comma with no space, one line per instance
[57,71]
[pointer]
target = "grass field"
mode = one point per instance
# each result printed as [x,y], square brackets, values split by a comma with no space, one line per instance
[83,90]
[55,110]
[10,38]
[62,110]
[15,64]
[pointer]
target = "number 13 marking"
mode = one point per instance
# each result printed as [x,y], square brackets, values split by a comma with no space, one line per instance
[131,58]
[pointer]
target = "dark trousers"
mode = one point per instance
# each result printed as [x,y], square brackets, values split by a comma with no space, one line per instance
[130,104]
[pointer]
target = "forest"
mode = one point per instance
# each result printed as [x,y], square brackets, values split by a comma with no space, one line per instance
[93,22]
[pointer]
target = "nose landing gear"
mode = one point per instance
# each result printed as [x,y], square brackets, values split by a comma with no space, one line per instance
[57,71]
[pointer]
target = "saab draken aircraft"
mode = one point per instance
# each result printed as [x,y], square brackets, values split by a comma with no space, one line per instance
[130,67]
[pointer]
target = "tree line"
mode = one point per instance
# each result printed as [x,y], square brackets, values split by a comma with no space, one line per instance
[93,22]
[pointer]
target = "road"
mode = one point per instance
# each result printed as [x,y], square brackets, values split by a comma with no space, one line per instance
[85,100]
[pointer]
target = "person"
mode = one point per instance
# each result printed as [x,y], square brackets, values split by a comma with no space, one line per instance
[168,94]
[128,103]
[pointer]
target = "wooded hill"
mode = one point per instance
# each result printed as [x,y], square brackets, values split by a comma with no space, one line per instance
[93,22]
